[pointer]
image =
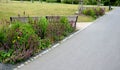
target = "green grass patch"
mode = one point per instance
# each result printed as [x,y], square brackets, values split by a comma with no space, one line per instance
[83,18]
[13,8]
[35,9]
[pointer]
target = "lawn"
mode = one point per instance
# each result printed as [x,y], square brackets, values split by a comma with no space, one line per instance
[35,9]
[14,8]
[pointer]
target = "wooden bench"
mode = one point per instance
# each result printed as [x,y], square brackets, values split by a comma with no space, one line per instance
[72,19]
[23,19]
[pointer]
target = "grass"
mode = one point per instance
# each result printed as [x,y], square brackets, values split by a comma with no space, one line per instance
[83,18]
[35,9]
[13,8]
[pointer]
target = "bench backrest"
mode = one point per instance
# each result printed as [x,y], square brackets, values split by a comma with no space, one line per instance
[72,19]
[23,19]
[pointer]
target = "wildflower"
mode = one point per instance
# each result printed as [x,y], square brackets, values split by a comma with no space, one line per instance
[13,41]
[18,37]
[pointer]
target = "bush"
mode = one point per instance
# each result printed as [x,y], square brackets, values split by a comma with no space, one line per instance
[40,26]
[21,42]
[58,30]
[66,25]
[2,36]
[95,12]
[54,31]
[101,11]
[45,43]
[89,12]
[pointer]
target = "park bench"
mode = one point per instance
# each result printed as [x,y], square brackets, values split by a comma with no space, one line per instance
[72,19]
[23,19]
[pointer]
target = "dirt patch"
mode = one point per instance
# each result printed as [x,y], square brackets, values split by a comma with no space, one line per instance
[81,25]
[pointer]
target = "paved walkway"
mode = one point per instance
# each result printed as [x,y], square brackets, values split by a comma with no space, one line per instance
[81,25]
[95,48]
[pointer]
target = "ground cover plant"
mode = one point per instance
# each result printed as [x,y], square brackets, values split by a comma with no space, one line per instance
[19,41]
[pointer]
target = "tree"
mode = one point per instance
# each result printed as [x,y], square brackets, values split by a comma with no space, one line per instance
[21,0]
[32,1]
[71,1]
[58,0]
[98,2]
[112,2]
[80,6]
[117,3]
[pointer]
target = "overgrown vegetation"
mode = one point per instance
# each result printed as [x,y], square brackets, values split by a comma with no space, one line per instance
[19,41]
[56,31]
[94,12]
[40,26]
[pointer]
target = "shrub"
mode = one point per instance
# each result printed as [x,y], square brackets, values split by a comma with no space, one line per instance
[3,29]
[94,12]
[58,30]
[89,12]
[54,31]
[45,43]
[99,11]
[21,42]
[66,25]
[40,27]
[2,36]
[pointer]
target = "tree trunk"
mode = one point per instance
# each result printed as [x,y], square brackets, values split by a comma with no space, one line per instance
[21,0]
[80,8]
[98,2]
[32,1]
[40,1]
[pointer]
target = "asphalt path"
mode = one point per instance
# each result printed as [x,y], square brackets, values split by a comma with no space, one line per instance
[95,48]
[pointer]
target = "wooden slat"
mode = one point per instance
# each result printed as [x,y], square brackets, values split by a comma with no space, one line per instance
[54,19]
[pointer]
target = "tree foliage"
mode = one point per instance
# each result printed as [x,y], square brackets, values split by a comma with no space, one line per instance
[86,2]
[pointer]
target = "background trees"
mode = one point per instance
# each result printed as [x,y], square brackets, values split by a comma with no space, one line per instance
[112,2]
[86,2]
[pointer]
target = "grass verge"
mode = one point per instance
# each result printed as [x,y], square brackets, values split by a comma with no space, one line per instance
[13,8]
